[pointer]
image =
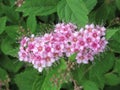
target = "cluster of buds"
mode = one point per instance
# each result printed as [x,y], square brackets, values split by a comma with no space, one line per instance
[65,40]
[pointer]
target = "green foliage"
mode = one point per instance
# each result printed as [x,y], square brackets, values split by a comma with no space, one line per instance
[89,85]
[37,8]
[38,17]
[47,84]
[3,75]
[31,23]
[26,79]
[118,4]
[2,24]
[73,11]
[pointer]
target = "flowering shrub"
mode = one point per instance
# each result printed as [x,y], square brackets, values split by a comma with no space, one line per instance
[59,45]
[43,51]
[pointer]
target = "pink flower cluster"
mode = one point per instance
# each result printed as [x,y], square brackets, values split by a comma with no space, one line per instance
[66,39]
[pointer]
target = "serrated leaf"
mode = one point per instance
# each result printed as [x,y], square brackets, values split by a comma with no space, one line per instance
[101,66]
[117,66]
[37,8]
[115,42]
[80,73]
[105,12]
[73,11]
[112,79]
[90,4]
[89,85]
[111,32]
[26,79]
[3,74]
[2,24]
[10,65]
[31,23]
[12,31]
[8,48]
[46,83]
[10,13]
[118,4]
[101,13]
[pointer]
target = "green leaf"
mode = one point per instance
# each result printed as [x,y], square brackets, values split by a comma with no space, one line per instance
[26,79]
[11,65]
[89,85]
[8,47]
[2,24]
[90,4]
[10,13]
[112,79]
[103,13]
[118,4]
[72,57]
[117,66]
[100,67]
[32,23]
[111,32]
[103,63]
[12,31]
[115,42]
[73,11]
[3,74]
[37,8]
[44,82]
[80,74]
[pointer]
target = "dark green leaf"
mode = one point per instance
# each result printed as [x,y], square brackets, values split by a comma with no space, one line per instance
[3,74]
[26,79]
[2,24]
[117,66]
[40,7]
[111,32]
[112,79]
[12,31]
[101,66]
[8,48]
[10,65]
[118,4]
[90,4]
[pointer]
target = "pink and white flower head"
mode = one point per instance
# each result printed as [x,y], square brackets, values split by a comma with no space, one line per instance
[43,51]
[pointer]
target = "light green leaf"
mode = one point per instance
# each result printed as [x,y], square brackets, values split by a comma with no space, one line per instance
[2,24]
[73,11]
[89,85]
[72,57]
[32,23]
[111,32]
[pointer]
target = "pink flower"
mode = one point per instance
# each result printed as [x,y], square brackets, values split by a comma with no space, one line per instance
[43,51]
